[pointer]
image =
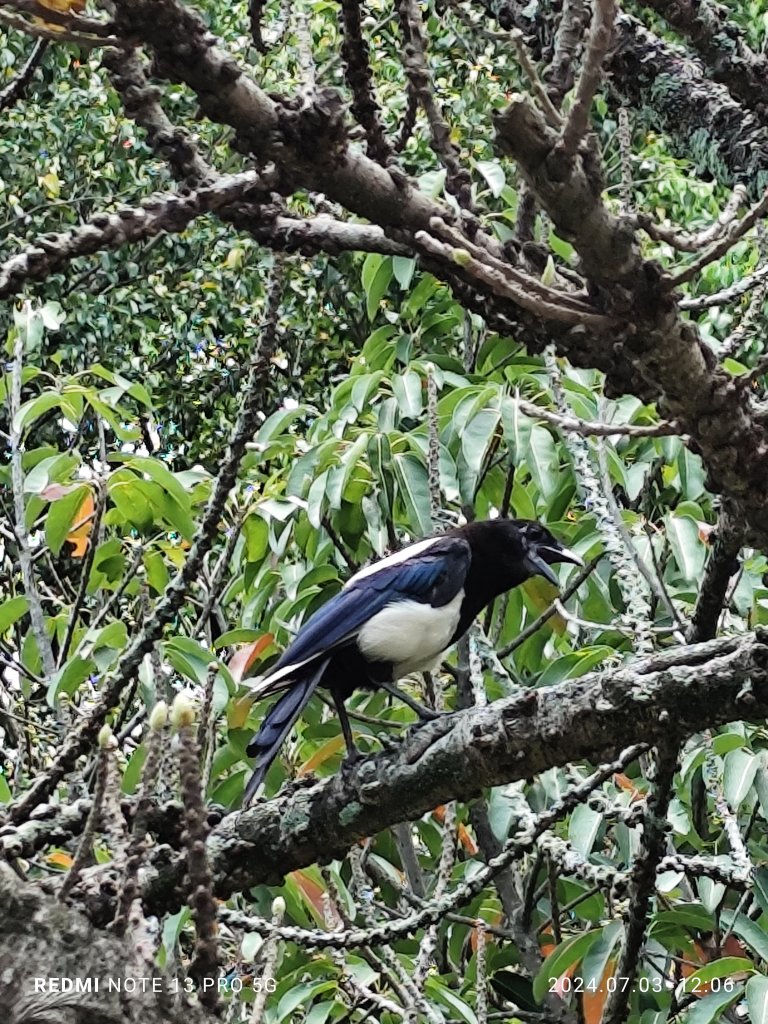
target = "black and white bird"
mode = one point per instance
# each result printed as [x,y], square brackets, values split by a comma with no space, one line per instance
[398,616]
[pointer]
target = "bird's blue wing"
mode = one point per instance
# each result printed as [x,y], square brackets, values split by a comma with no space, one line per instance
[437,573]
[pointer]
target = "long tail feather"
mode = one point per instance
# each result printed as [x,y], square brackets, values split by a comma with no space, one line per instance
[277,724]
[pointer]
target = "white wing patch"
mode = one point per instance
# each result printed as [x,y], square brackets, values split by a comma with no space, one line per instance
[399,556]
[410,634]
[264,686]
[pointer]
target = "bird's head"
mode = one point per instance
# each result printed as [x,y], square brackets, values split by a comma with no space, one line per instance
[540,549]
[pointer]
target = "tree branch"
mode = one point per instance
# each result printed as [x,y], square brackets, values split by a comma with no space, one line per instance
[458,756]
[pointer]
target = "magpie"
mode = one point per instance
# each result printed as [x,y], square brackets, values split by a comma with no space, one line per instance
[395,617]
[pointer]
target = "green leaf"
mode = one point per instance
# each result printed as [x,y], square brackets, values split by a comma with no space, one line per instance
[377,273]
[517,429]
[568,953]
[130,502]
[256,533]
[438,992]
[237,636]
[739,771]
[575,664]
[301,995]
[563,249]
[34,409]
[403,268]
[159,472]
[132,773]
[407,390]
[749,931]
[722,968]
[493,173]
[543,462]
[756,992]
[157,571]
[188,657]
[426,288]
[583,828]
[709,1010]
[11,611]
[596,961]
[686,546]
[69,678]
[278,423]
[413,487]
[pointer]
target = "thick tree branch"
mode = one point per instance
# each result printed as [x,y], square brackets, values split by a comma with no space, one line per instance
[458,756]
[666,88]
[722,46]
[42,938]
[727,430]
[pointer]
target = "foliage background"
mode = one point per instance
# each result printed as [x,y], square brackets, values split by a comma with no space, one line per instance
[134,361]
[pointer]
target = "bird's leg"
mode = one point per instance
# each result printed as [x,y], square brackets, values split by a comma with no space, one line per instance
[353,754]
[424,713]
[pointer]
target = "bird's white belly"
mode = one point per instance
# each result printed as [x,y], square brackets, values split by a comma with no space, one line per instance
[409,634]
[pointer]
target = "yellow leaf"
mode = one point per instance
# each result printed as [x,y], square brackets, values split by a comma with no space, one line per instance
[59,859]
[50,182]
[311,890]
[320,756]
[63,6]
[237,715]
[81,528]
[540,593]
[235,258]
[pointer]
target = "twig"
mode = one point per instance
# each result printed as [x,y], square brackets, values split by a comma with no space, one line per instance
[550,111]
[445,867]
[107,745]
[739,853]
[559,75]
[721,566]
[643,880]
[499,282]
[596,428]
[129,889]
[357,71]
[735,231]
[57,34]
[18,85]
[222,564]
[727,295]
[205,964]
[624,133]
[414,59]
[738,337]
[172,212]
[433,450]
[128,575]
[481,980]
[598,43]
[547,614]
[269,961]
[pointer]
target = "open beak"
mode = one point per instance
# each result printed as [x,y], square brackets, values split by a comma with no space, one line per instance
[561,555]
[538,562]
[538,567]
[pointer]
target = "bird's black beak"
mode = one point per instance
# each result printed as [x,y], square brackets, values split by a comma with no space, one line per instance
[538,561]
